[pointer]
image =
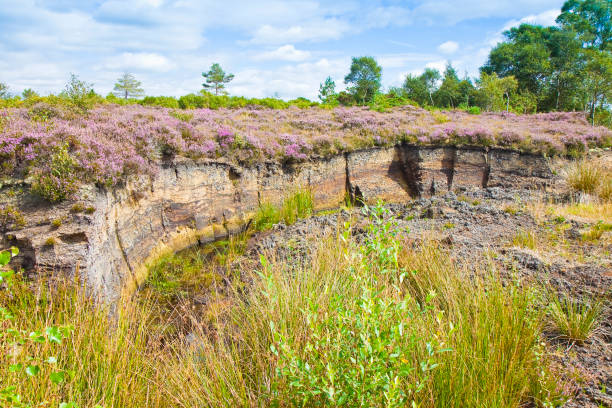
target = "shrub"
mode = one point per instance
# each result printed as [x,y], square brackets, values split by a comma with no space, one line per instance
[57,180]
[56,223]
[473,110]
[163,101]
[574,320]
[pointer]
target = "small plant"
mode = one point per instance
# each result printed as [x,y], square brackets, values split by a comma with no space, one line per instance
[596,231]
[56,223]
[51,241]
[575,320]
[439,117]
[473,110]
[300,204]
[448,225]
[605,189]
[11,219]
[77,208]
[584,176]
[525,239]
[90,210]
[510,209]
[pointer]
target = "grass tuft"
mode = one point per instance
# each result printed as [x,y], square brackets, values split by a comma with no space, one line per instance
[574,320]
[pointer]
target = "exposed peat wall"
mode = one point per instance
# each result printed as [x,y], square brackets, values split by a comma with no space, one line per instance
[190,202]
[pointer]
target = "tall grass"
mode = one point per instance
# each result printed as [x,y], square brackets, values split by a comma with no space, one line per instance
[584,176]
[297,204]
[574,320]
[107,361]
[366,322]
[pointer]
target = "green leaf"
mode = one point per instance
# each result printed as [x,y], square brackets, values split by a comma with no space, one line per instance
[14,251]
[54,334]
[32,370]
[51,360]
[13,368]
[57,377]
[5,258]
[36,337]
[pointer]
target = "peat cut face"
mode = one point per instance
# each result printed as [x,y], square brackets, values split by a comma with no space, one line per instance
[189,202]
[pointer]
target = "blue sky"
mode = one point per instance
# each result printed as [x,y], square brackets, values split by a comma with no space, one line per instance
[272,46]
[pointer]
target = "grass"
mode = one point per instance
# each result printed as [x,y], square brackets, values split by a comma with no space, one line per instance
[574,320]
[596,231]
[525,239]
[298,204]
[584,176]
[366,321]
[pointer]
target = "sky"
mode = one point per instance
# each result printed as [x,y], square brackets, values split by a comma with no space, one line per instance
[273,47]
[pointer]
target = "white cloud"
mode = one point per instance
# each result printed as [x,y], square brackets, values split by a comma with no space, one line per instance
[284,53]
[326,29]
[439,65]
[546,18]
[452,12]
[448,47]
[140,61]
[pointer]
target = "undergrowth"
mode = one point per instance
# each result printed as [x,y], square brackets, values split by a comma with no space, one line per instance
[364,321]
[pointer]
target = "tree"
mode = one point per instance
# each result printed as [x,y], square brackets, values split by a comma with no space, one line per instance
[327,90]
[28,93]
[590,19]
[430,78]
[4,91]
[79,92]
[492,90]
[448,93]
[365,76]
[415,89]
[128,87]
[216,78]
[598,80]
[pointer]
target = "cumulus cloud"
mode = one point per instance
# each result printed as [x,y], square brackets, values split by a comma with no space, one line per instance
[284,53]
[140,61]
[448,47]
[321,30]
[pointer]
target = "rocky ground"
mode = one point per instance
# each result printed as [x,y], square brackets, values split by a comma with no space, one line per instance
[505,226]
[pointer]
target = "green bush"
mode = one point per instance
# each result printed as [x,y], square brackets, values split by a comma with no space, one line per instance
[163,101]
[58,180]
[473,110]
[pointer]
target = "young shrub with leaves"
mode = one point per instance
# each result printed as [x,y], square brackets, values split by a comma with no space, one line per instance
[58,180]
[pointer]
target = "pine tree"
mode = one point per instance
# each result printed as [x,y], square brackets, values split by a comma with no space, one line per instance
[216,78]
[128,87]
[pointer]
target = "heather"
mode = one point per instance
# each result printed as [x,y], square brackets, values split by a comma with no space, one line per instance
[110,142]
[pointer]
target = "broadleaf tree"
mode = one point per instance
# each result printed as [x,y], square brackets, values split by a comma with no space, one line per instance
[365,76]
[216,78]
[127,86]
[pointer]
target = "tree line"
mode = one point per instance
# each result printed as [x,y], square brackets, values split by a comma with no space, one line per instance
[567,67]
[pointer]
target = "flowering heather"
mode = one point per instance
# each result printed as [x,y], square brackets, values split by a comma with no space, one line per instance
[112,141]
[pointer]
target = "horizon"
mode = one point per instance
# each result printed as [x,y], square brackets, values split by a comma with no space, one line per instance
[282,49]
